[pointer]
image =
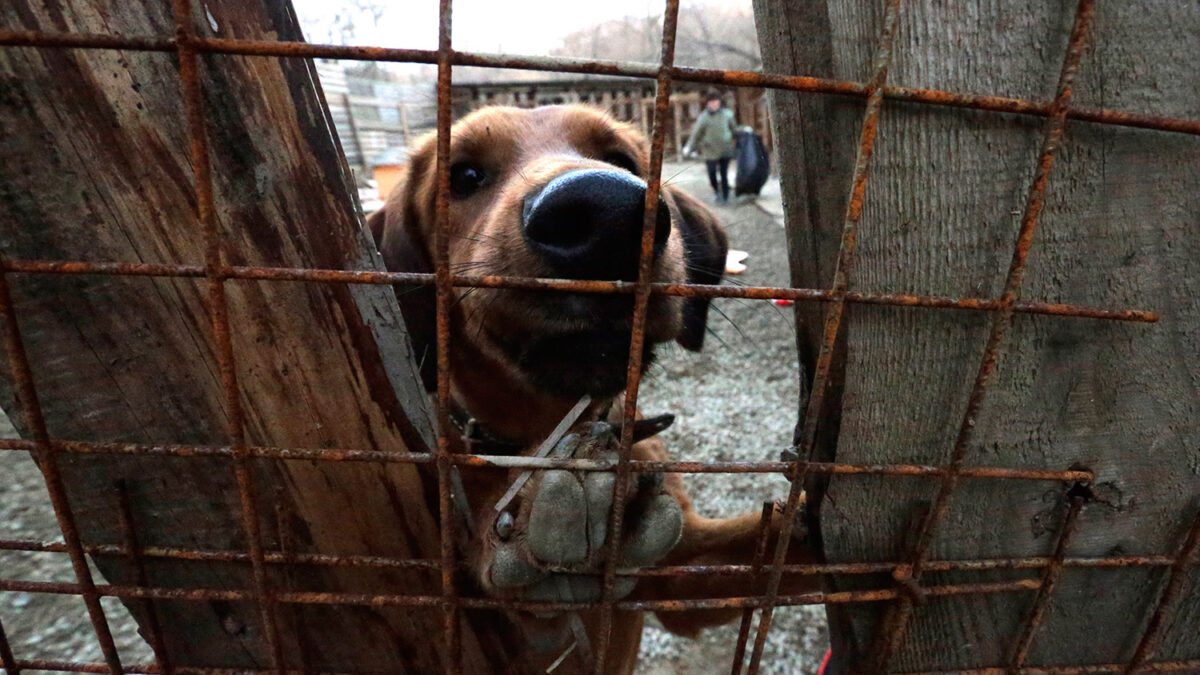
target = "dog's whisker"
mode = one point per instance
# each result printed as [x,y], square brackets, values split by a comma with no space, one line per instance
[478,238]
[753,343]
[464,296]
[742,302]
[421,361]
[404,289]
[470,264]
[706,270]
[474,311]
[791,324]
[713,332]
[709,270]
[483,308]
[755,304]
[677,174]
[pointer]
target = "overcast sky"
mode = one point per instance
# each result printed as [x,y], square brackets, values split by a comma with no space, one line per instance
[515,26]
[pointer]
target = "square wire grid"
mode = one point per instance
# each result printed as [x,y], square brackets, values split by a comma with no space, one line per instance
[903,598]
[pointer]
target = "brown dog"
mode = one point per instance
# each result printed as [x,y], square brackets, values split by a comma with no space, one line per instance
[556,192]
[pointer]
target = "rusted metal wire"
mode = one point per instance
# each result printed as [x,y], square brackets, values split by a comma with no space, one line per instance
[732,78]
[437,602]
[1037,611]
[575,286]
[133,551]
[47,459]
[1168,599]
[187,45]
[441,244]
[261,452]
[7,660]
[833,319]
[193,99]
[760,552]
[151,669]
[526,462]
[643,466]
[633,374]
[270,557]
[853,568]
[895,622]
[1181,666]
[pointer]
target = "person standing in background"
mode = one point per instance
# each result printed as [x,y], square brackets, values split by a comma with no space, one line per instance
[712,139]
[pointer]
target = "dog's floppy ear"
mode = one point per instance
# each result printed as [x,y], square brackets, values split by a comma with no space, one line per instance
[705,248]
[400,229]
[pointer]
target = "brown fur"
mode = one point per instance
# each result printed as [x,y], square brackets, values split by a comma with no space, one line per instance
[524,149]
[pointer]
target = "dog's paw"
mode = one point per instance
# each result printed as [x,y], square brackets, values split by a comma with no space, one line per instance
[555,545]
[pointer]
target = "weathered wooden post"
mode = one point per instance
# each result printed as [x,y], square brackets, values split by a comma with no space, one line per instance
[96,167]
[946,195]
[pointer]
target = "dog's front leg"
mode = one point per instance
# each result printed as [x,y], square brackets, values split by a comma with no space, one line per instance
[725,541]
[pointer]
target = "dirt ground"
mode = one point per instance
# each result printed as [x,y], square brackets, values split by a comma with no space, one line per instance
[41,626]
[734,401]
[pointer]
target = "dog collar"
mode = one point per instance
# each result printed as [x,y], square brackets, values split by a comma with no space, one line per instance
[480,441]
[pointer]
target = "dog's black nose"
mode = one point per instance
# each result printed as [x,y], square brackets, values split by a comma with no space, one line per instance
[587,224]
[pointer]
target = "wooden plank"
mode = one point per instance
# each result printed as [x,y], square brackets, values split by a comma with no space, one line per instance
[404,122]
[942,209]
[96,168]
[677,130]
[348,104]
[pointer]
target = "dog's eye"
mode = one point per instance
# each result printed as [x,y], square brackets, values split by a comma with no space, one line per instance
[465,179]
[622,161]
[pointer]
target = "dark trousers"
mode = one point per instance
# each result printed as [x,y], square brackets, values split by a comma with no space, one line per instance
[718,167]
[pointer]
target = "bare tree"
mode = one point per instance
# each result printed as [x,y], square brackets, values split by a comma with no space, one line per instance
[716,36]
[710,35]
[629,38]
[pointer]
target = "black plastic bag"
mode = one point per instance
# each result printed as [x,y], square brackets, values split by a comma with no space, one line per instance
[753,163]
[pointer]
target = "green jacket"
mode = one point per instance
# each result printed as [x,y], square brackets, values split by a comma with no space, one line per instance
[712,135]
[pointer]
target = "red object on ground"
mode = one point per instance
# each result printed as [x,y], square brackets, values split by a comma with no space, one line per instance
[824,662]
[784,302]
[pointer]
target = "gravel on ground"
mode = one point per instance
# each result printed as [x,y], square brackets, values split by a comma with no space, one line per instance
[735,401]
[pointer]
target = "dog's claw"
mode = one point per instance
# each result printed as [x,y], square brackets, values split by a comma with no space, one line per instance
[504,526]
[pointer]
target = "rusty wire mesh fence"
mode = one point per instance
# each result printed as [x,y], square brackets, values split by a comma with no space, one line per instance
[902,598]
